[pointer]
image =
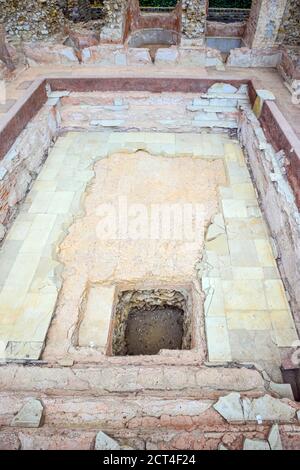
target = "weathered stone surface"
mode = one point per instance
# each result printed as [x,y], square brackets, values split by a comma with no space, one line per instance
[24,159]
[222,88]
[83,39]
[283,390]
[138,56]
[104,442]
[265,95]
[274,438]
[289,31]
[2,231]
[166,56]
[100,55]
[193,18]
[48,53]
[222,447]
[270,409]
[230,407]
[255,444]
[30,415]
[95,325]
[9,441]
[29,19]
[245,57]
[114,11]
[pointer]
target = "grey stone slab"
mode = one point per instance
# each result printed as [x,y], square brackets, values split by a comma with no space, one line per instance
[230,407]
[271,409]
[256,444]
[253,345]
[274,438]
[30,415]
[104,442]
[222,88]
[23,350]
[283,390]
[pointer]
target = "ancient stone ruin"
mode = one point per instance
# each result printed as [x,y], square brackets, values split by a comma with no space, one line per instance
[149,225]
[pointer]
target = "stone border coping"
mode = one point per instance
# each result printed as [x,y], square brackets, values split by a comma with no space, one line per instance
[278,130]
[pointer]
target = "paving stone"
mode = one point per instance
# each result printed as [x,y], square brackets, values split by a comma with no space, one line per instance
[230,407]
[243,253]
[214,300]
[30,415]
[206,116]
[217,339]
[238,295]
[264,253]
[274,438]
[276,297]
[104,442]
[254,346]
[233,208]
[94,328]
[255,444]
[248,320]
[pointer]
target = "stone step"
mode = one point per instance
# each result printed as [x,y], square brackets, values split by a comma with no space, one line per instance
[193,381]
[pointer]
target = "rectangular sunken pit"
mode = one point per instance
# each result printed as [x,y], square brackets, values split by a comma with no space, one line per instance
[148,321]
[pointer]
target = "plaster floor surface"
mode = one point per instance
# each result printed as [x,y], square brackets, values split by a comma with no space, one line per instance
[54,256]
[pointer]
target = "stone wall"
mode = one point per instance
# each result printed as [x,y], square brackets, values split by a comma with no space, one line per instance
[194,18]
[23,162]
[114,12]
[277,201]
[31,19]
[289,31]
[264,22]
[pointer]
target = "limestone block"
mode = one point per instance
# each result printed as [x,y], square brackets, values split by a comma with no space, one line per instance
[230,407]
[101,55]
[222,88]
[104,442]
[255,444]
[192,57]
[96,322]
[274,438]
[30,415]
[38,53]
[167,56]
[270,409]
[139,56]
[283,390]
